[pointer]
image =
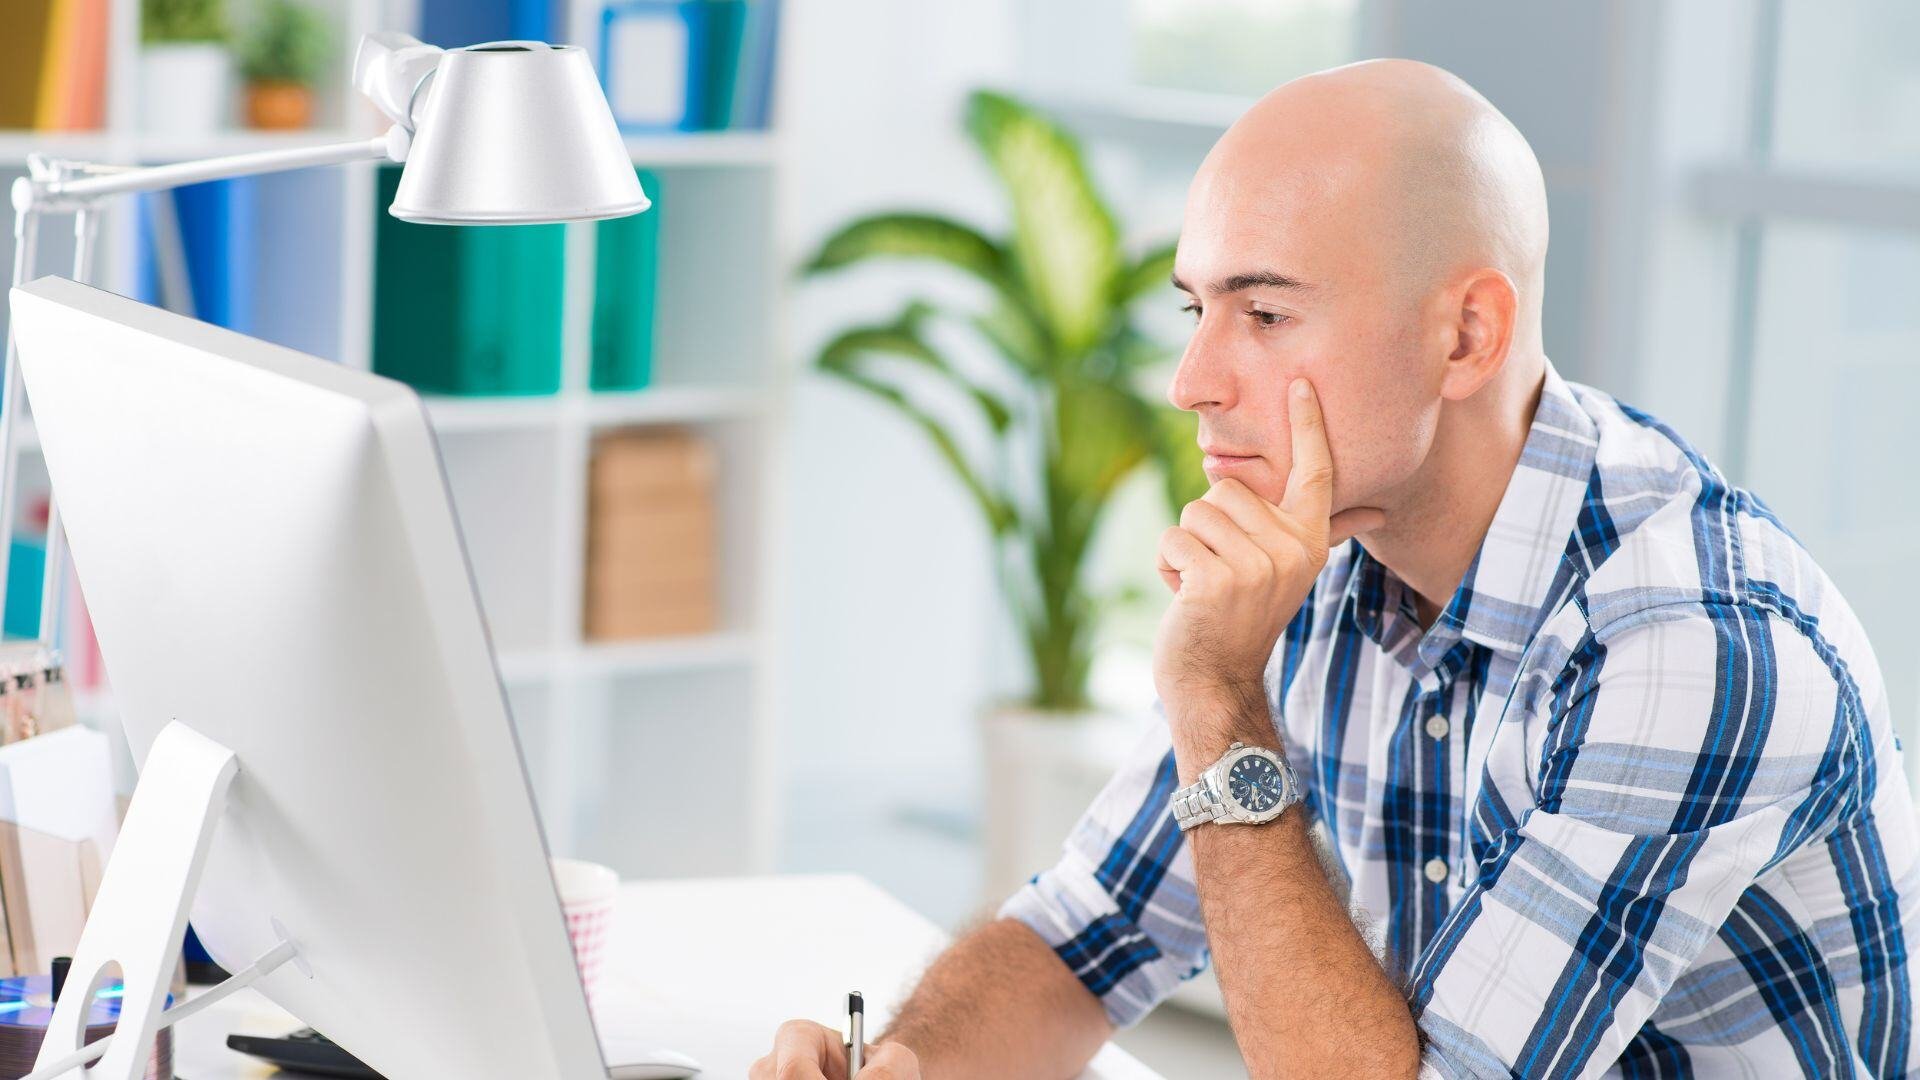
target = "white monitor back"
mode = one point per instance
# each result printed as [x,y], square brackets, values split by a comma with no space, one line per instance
[269,555]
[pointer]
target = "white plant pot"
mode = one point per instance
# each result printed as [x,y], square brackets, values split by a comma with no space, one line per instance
[1043,770]
[186,88]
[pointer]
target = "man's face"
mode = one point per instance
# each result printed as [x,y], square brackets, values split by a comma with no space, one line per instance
[1296,277]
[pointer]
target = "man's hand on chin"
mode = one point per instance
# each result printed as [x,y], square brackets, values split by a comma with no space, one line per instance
[1239,568]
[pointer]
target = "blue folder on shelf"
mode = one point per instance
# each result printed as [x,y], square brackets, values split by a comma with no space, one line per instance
[671,65]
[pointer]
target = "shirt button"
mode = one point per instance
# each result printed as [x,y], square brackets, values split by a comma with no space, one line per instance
[1436,870]
[1437,726]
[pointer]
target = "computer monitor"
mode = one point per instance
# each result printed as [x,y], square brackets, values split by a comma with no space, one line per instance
[269,557]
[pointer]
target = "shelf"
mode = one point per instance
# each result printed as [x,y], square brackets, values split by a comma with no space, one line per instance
[703,148]
[654,405]
[16,144]
[611,659]
[463,414]
[690,148]
[104,146]
[150,147]
[665,404]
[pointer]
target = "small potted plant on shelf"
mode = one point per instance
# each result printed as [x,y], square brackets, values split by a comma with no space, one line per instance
[281,56]
[186,76]
[1041,444]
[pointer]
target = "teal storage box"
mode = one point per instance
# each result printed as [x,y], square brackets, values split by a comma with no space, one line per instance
[26,572]
[626,279]
[470,309]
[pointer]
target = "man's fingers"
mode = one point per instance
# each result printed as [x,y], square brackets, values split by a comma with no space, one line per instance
[1255,515]
[1309,495]
[1224,535]
[1348,524]
[890,1061]
[803,1050]
[1181,554]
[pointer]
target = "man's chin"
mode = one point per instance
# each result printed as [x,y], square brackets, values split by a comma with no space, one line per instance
[1256,473]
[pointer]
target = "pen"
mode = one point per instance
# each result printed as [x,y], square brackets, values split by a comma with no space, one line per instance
[856,1039]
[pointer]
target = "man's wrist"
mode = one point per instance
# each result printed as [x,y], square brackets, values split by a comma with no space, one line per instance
[1205,725]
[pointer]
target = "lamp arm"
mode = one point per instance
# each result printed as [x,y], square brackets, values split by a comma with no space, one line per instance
[72,193]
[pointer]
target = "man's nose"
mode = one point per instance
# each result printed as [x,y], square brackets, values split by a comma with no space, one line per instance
[1204,379]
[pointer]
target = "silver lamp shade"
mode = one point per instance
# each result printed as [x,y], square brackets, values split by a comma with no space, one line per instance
[515,132]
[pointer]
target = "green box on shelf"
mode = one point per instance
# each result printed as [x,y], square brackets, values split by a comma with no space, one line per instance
[625,280]
[466,309]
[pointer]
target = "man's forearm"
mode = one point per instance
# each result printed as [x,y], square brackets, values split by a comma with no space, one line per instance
[1000,1003]
[1304,993]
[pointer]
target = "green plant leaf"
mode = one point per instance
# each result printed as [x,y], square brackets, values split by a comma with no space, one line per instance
[164,21]
[999,513]
[1151,271]
[915,236]
[1012,331]
[901,340]
[1104,431]
[1065,243]
[287,42]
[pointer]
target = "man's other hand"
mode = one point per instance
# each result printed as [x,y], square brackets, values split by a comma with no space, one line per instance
[804,1050]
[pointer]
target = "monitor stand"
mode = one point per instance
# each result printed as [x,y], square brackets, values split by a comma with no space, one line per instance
[139,915]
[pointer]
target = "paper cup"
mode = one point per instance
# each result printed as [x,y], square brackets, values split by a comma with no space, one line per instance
[587,891]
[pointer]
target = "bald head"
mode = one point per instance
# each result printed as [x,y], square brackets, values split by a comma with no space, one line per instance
[1380,229]
[1430,175]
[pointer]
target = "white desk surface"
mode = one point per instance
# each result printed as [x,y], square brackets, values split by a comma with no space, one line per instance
[716,965]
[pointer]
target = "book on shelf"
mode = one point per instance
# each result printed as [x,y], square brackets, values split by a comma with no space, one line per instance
[478,312]
[652,536]
[471,311]
[197,252]
[626,276]
[452,24]
[687,65]
[53,65]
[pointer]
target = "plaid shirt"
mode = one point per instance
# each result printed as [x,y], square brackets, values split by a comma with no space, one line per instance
[1631,806]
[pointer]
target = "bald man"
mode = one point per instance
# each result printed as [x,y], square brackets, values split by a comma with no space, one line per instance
[1602,758]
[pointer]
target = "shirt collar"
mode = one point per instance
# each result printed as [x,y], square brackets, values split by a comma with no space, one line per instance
[1511,586]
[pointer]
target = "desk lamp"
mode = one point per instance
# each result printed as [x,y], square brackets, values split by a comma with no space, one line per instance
[504,133]
[508,132]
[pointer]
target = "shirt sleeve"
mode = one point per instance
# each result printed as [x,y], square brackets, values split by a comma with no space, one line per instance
[1119,908]
[1683,758]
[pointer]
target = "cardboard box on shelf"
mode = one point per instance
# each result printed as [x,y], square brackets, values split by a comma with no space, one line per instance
[652,566]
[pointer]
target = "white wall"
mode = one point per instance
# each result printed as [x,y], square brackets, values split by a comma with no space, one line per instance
[891,624]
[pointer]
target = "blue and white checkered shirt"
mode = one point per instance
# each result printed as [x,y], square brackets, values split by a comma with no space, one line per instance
[1631,807]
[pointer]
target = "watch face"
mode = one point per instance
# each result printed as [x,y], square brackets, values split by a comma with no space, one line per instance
[1256,784]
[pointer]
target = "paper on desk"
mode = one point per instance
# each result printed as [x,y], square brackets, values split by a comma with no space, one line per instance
[61,784]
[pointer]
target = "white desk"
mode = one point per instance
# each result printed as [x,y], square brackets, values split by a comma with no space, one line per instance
[731,958]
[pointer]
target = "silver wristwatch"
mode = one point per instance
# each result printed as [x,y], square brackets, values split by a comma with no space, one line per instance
[1249,785]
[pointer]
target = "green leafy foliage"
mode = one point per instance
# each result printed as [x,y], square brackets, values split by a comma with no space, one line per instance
[166,21]
[288,42]
[1058,290]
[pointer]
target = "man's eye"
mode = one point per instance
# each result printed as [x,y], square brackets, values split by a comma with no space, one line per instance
[1193,309]
[1267,318]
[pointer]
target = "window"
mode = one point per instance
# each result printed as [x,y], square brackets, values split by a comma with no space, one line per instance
[1238,47]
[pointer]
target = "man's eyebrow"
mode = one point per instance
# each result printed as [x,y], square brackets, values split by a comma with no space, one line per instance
[1258,279]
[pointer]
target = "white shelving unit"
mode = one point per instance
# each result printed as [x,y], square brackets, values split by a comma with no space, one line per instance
[620,738]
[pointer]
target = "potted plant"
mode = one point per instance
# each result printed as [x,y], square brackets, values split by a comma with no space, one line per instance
[1055,430]
[283,52]
[186,76]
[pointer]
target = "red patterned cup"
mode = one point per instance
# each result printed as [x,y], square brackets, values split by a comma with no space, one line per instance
[587,892]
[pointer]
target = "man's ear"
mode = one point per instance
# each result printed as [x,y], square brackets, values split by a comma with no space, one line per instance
[1482,331]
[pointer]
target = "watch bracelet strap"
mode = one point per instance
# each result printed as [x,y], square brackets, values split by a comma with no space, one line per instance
[1195,804]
